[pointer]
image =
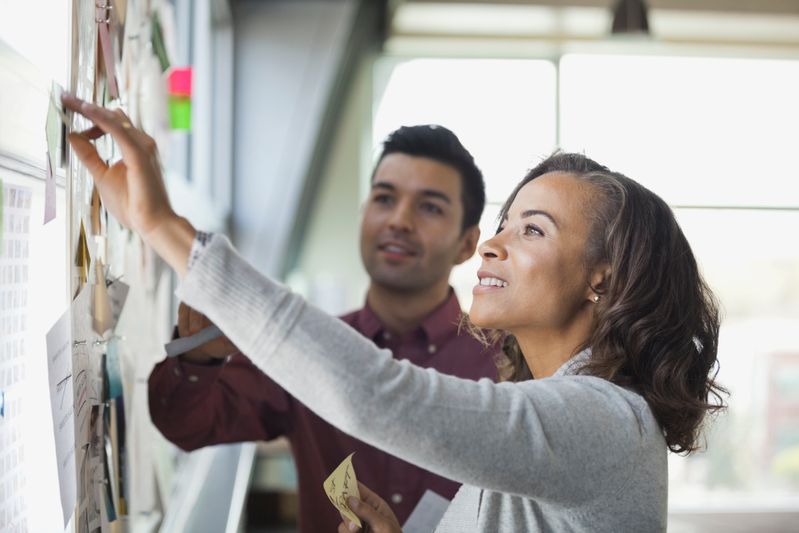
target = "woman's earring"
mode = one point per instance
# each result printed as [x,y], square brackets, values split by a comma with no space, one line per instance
[596,298]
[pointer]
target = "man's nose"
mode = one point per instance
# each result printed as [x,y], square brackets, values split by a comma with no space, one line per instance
[401,218]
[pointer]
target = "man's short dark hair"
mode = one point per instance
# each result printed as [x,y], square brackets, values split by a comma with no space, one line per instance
[440,144]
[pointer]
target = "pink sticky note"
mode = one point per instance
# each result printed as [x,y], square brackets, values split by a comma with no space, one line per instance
[180,81]
[108,60]
[49,193]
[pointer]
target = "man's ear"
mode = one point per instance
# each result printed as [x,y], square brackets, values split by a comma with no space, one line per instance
[599,281]
[469,240]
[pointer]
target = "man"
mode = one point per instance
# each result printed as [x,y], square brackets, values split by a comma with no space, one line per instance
[420,220]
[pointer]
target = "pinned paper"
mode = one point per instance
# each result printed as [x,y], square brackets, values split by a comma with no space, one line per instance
[49,193]
[59,368]
[158,43]
[94,215]
[342,484]
[107,50]
[102,319]
[56,128]
[117,294]
[82,259]
[1,217]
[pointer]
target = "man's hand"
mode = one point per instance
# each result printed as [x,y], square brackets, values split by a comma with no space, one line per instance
[373,511]
[190,322]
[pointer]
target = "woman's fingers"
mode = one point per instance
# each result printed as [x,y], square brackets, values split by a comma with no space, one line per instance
[109,121]
[366,511]
[347,525]
[88,155]
[92,133]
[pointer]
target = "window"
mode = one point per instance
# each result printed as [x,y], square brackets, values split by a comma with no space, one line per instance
[715,137]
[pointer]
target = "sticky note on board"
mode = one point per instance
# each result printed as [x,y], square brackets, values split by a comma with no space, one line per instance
[56,128]
[49,193]
[342,484]
[180,81]
[179,113]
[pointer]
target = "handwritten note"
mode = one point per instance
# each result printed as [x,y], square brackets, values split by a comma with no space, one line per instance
[59,365]
[342,484]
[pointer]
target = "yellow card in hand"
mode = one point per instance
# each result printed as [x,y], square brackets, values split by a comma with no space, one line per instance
[342,484]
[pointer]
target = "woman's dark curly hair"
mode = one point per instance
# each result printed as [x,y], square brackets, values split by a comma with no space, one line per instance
[657,322]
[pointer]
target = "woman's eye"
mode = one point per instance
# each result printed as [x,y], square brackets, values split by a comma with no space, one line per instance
[531,229]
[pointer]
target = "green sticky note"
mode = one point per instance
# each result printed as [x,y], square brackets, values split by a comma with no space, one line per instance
[179,113]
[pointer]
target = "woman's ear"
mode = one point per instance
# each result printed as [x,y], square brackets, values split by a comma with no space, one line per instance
[599,281]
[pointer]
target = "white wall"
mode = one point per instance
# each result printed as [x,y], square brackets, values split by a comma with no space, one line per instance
[287,55]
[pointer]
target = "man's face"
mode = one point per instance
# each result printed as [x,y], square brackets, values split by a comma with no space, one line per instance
[411,229]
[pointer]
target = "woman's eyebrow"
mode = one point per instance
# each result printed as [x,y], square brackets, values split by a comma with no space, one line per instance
[531,212]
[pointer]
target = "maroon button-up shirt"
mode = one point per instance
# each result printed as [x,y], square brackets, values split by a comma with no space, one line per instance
[197,406]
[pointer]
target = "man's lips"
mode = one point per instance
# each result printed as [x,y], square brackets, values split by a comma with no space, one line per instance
[397,248]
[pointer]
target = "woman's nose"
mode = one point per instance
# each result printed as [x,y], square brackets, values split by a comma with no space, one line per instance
[493,248]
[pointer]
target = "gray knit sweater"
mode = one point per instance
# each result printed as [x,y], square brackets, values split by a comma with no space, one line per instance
[565,453]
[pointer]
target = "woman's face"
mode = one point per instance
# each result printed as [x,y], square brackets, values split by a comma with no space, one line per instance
[533,275]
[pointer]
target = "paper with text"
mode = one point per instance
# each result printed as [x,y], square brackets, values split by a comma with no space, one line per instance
[342,484]
[59,366]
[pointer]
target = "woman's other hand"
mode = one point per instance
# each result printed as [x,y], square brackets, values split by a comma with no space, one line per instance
[373,511]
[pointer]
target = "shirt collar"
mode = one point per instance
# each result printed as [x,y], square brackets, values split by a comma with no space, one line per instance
[439,326]
[573,365]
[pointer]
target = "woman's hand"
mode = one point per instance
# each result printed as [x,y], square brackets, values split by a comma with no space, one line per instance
[132,189]
[373,511]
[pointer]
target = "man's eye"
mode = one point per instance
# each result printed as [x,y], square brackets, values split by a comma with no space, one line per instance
[432,208]
[382,199]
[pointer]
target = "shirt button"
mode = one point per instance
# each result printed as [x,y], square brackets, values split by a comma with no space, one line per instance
[387,335]
[431,349]
[396,498]
[176,370]
[193,378]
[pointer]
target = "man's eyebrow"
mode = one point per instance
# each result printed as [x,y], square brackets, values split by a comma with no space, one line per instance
[383,185]
[531,212]
[437,194]
[424,192]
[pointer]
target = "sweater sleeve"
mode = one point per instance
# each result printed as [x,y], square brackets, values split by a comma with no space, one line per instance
[559,438]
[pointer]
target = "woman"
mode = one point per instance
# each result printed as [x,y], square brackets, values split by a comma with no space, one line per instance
[602,302]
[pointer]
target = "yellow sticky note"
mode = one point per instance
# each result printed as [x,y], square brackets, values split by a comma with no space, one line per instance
[342,484]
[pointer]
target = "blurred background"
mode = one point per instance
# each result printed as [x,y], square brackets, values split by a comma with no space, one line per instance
[696,99]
